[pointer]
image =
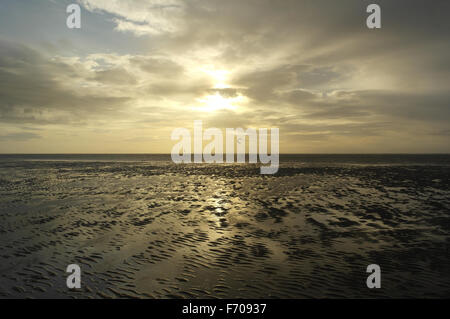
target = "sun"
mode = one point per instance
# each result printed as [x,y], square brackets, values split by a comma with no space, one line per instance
[219,77]
[218,102]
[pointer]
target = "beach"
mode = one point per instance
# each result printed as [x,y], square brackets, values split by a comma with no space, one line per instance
[144,227]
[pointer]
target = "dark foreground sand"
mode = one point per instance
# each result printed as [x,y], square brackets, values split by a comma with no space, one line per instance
[157,230]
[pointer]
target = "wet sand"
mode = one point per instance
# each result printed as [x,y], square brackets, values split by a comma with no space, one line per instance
[160,230]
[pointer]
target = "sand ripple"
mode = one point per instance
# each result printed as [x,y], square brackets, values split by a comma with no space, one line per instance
[158,230]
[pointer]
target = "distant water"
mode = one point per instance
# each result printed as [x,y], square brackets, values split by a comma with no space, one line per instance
[361,159]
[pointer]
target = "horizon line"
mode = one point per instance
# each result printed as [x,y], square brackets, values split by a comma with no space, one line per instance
[387,153]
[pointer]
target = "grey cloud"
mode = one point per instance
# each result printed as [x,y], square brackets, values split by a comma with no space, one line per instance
[261,85]
[350,129]
[116,76]
[426,107]
[433,107]
[313,77]
[32,91]
[298,96]
[256,27]
[19,137]
[174,88]
[158,66]
[228,92]
[292,82]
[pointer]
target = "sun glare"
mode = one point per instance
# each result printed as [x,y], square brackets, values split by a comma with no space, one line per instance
[219,77]
[218,102]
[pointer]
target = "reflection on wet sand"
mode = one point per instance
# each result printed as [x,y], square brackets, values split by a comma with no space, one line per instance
[159,230]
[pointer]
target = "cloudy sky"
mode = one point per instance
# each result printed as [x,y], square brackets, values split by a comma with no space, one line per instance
[138,69]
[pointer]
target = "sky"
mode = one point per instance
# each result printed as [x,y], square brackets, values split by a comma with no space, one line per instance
[138,69]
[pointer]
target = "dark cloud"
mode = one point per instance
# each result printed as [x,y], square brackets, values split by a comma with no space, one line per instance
[227,92]
[251,28]
[176,89]
[158,66]
[19,137]
[115,76]
[416,106]
[32,90]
